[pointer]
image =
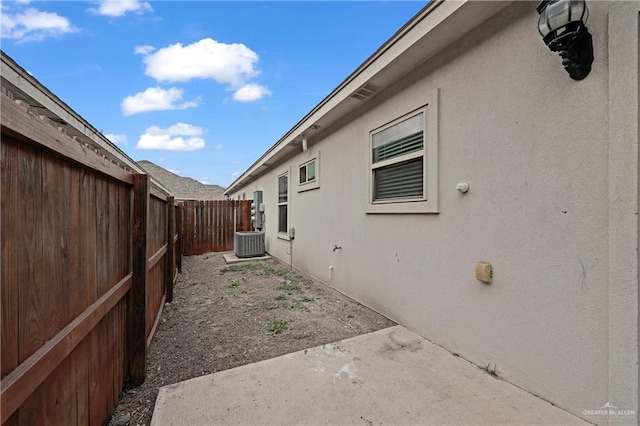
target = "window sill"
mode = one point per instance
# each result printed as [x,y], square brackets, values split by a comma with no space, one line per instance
[282,236]
[417,207]
[308,186]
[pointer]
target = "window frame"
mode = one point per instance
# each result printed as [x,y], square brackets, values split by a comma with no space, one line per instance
[310,184]
[428,203]
[283,234]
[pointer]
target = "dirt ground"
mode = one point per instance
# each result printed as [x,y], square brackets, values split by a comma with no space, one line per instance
[224,316]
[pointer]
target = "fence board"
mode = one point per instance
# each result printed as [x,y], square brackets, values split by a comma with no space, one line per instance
[88,292]
[12,252]
[79,359]
[71,235]
[109,366]
[171,244]
[57,404]
[114,244]
[208,226]
[102,234]
[52,259]
[180,242]
[31,412]
[32,325]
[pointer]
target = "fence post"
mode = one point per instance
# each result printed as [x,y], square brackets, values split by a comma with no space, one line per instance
[170,268]
[180,220]
[138,303]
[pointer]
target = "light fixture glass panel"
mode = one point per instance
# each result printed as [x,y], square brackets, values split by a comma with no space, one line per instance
[579,11]
[557,14]
[542,25]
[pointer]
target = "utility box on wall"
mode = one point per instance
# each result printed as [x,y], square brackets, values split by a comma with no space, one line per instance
[257,210]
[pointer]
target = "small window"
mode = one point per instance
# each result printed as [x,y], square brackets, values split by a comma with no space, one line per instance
[283,202]
[308,172]
[403,163]
[308,175]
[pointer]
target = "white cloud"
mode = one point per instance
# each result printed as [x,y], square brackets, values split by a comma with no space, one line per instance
[179,137]
[117,139]
[155,99]
[250,92]
[235,174]
[32,24]
[168,143]
[143,50]
[116,8]
[231,64]
[183,129]
[218,147]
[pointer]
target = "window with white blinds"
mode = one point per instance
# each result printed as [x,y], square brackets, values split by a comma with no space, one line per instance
[397,161]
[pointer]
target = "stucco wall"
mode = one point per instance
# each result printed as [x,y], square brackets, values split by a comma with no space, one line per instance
[534,147]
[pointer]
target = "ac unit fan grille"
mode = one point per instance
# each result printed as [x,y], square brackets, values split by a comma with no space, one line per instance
[249,244]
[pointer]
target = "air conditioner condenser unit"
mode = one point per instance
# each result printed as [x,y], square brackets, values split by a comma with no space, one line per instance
[249,244]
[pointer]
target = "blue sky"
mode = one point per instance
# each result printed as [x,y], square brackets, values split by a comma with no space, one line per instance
[202,88]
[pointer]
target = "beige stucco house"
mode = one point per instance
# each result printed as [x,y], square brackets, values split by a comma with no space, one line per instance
[372,182]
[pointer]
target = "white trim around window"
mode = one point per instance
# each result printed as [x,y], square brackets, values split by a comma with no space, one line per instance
[403,163]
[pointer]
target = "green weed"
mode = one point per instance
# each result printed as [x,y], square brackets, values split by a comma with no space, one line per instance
[298,304]
[289,286]
[247,308]
[269,305]
[258,269]
[278,327]
[241,267]
[271,271]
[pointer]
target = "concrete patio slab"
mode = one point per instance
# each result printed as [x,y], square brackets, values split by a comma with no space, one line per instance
[391,376]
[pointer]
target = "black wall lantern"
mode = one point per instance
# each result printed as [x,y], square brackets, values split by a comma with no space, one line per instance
[562,26]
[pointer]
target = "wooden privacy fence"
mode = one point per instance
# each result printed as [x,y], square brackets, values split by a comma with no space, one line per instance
[88,258]
[208,226]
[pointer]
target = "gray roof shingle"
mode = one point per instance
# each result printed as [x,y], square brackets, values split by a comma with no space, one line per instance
[183,188]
